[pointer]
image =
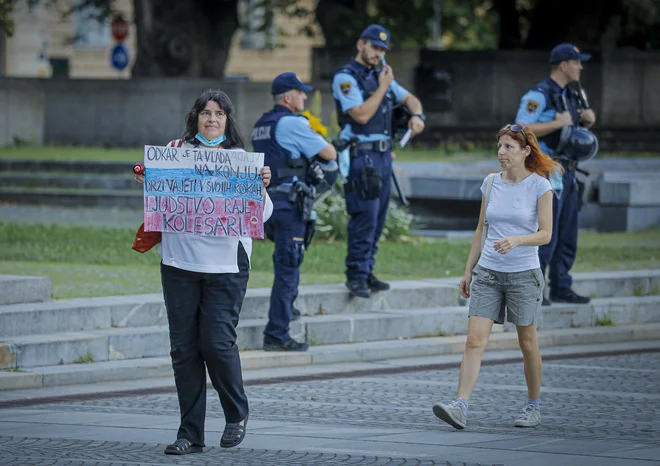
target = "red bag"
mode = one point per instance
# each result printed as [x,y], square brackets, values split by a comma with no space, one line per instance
[145,240]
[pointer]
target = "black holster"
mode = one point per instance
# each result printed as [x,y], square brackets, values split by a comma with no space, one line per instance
[581,186]
[370,180]
[303,196]
[310,229]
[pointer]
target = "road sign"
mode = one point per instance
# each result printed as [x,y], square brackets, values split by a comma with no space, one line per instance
[119,27]
[119,57]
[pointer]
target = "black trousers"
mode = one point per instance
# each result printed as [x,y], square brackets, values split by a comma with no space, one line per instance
[203,310]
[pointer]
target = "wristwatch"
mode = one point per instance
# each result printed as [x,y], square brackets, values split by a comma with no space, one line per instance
[420,115]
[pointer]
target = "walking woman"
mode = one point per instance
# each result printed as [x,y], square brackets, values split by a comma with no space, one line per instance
[204,282]
[505,277]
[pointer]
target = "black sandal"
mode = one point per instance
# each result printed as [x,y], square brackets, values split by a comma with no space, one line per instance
[234,434]
[182,446]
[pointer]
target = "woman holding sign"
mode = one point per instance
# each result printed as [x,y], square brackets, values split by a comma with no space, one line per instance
[204,282]
[503,267]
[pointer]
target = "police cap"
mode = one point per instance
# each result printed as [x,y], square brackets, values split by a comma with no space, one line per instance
[377,35]
[566,51]
[286,82]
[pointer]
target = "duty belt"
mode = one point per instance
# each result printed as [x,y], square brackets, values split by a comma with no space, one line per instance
[280,188]
[383,145]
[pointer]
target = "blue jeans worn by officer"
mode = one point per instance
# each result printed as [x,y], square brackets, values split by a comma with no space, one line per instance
[367,216]
[353,86]
[541,104]
[287,141]
[559,254]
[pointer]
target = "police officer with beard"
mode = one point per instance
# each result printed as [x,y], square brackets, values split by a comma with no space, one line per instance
[554,111]
[365,96]
[293,151]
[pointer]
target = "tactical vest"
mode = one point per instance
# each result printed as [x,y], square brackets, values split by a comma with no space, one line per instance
[381,122]
[555,101]
[283,166]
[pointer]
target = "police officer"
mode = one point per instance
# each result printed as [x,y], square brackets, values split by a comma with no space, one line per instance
[365,94]
[547,108]
[288,142]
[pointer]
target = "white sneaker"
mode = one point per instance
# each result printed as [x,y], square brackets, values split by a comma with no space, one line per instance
[529,416]
[452,414]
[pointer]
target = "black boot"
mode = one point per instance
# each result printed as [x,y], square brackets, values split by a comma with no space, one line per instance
[358,287]
[376,285]
[570,297]
[288,345]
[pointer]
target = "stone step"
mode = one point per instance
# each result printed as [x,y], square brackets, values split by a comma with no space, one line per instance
[153,341]
[84,314]
[601,284]
[74,181]
[69,197]
[629,189]
[386,325]
[22,289]
[618,311]
[70,166]
[133,369]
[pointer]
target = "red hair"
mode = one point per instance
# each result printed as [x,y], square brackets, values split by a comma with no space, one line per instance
[537,162]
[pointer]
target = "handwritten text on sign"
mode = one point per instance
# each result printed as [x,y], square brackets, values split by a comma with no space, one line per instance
[203,191]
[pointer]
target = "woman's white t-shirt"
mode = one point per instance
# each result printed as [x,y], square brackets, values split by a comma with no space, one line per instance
[512,211]
[206,254]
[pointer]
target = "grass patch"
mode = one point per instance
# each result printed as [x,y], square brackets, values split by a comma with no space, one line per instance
[91,261]
[604,321]
[85,359]
[445,153]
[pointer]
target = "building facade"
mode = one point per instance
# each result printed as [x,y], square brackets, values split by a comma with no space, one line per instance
[45,44]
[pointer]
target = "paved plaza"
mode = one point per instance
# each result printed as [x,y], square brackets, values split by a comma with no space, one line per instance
[596,411]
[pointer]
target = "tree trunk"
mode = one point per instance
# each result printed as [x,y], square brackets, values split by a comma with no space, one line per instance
[341,21]
[509,24]
[579,22]
[177,38]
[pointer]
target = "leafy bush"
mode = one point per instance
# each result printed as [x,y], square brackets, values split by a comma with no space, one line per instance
[332,220]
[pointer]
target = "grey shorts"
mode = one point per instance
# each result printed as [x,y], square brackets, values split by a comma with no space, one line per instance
[518,294]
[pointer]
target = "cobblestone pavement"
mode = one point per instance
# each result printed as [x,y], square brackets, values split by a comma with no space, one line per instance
[596,411]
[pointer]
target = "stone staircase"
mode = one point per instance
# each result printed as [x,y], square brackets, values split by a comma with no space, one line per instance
[69,183]
[62,342]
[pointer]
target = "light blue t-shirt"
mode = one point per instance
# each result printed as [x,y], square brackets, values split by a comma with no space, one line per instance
[513,211]
[346,90]
[295,135]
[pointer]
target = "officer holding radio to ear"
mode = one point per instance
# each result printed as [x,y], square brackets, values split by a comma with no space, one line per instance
[365,96]
[303,164]
[557,111]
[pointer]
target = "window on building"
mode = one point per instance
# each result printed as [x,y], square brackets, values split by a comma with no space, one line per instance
[255,13]
[91,33]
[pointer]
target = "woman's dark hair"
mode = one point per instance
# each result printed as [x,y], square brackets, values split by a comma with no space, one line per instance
[537,162]
[235,138]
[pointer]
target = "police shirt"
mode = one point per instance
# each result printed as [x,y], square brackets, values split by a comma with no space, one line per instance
[345,89]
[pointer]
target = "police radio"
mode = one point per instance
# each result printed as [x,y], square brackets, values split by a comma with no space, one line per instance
[583,96]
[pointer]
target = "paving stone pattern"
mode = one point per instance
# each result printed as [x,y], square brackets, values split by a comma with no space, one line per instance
[596,400]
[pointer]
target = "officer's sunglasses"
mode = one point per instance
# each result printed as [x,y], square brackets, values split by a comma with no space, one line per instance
[516,129]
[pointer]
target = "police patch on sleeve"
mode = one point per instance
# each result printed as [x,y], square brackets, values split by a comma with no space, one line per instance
[345,88]
[532,106]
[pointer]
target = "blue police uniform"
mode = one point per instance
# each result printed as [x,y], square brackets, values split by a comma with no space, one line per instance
[540,105]
[351,86]
[283,135]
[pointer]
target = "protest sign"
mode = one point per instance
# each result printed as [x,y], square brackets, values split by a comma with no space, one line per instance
[203,191]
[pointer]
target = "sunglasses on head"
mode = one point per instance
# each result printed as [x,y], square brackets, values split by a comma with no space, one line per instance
[516,129]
